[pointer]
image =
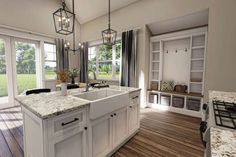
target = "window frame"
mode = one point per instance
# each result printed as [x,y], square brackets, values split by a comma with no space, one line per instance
[45,60]
[113,61]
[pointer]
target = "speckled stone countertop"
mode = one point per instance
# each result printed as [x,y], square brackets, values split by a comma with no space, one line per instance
[222,96]
[223,142]
[48,105]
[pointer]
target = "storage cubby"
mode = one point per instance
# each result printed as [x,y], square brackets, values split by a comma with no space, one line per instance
[153,98]
[198,41]
[178,57]
[195,88]
[156,46]
[155,65]
[156,56]
[196,77]
[178,102]
[165,99]
[155,75]
[198,53]
[193,104]
[197,65]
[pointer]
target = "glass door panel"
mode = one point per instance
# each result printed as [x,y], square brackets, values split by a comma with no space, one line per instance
[3,74]
[25,66]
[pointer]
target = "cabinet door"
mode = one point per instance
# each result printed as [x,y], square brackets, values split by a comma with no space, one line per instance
[100,138]
[133,118]
[73,143]
[120,126]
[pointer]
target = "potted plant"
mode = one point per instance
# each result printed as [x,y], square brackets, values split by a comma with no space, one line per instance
[63,77]
[73,73]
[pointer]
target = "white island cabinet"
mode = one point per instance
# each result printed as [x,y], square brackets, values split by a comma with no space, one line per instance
[109,132]
[57,126]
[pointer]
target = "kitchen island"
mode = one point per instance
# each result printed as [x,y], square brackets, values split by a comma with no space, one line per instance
[91,124]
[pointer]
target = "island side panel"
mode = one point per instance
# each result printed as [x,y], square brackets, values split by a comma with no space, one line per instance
[33,134]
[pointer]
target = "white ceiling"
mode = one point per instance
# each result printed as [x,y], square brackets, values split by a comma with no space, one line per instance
[87,10]
[184,22]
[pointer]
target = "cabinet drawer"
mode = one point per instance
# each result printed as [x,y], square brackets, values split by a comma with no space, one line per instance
[134,98]
[67,122]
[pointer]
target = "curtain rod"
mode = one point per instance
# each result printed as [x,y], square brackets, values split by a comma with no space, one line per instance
[26,31]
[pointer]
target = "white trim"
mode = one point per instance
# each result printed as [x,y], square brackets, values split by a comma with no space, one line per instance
[181,34]
[24,34]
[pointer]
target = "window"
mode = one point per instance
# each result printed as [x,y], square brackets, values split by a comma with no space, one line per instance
[50,61]
[105,61]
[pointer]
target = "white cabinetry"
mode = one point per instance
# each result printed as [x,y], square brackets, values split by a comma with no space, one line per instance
[133,113]
[72,143]
[100,136]
[60,136]
[178,57]
[109,132]
[120,126]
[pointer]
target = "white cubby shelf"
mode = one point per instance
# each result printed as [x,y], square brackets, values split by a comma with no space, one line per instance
[169,54]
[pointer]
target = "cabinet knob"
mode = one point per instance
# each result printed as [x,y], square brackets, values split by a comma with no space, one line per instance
[130,106]
[111,115]
[114,114]
[85,128]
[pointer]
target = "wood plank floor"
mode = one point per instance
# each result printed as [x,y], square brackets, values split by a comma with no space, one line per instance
[161,134]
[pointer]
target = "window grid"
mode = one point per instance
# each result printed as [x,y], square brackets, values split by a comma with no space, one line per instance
[114,61]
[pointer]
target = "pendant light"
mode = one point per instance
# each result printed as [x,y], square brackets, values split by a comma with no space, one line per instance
[64,20]
[109,35]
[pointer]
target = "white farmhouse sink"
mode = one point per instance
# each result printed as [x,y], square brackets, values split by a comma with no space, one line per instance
[104,101]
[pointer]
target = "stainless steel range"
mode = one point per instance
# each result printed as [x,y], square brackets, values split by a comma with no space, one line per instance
[225,114]
[219,112]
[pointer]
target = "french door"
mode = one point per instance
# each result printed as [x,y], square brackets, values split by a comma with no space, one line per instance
[6,79]
[19,66]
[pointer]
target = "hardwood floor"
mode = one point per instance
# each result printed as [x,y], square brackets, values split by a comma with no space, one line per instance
[161,134]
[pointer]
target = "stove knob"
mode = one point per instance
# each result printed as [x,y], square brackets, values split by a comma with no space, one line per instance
[204,107]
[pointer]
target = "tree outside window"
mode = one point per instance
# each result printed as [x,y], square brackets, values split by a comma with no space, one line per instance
[50,61]
[105,61]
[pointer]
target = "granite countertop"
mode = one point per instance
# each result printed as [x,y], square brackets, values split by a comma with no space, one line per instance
[222,96]
[48,105]
[223,142]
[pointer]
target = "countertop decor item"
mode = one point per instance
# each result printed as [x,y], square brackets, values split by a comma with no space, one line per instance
[73,73]
[63,77]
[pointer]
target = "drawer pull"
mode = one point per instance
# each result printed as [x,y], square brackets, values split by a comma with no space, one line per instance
[76,119]
[135,97]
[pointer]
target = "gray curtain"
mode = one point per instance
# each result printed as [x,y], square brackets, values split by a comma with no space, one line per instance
[129,58]
[62,55]
[84,63]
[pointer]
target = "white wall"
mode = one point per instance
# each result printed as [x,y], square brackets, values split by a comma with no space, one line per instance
[138,15]
[221,55]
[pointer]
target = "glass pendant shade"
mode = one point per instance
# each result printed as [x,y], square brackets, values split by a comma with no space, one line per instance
[109,37]
[64,20]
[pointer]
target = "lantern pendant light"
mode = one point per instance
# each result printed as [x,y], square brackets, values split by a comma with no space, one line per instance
[64,20]
[109,35]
